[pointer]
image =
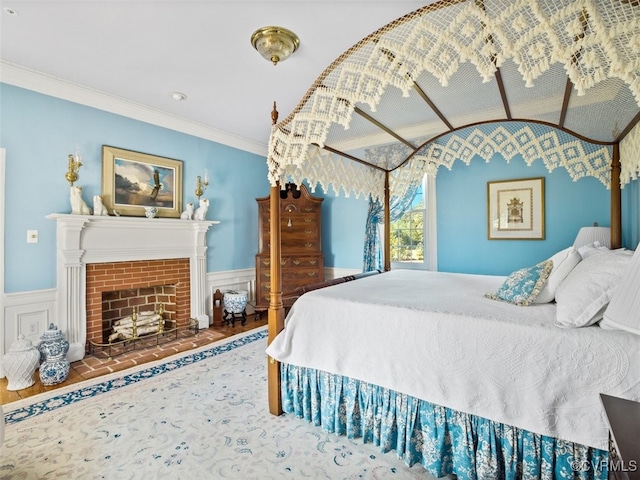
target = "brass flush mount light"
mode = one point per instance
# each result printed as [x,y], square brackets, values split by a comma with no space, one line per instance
[275,44]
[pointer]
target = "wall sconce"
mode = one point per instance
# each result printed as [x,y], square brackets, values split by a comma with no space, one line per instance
[589,235]
[202,184]
[74,167]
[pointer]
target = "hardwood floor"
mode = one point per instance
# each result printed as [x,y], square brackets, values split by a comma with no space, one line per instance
[93,366]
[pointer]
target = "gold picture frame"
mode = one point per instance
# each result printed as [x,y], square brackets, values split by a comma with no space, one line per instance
[132,181]
[515,209]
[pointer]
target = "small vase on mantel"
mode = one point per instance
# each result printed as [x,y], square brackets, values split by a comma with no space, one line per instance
[20,363]
[54,367]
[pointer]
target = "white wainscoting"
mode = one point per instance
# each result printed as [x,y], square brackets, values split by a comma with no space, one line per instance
[246,280]
[30,313]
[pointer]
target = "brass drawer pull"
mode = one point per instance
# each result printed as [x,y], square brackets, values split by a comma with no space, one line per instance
[311,274]
[266,262]
[308,220]
[296,262]
[267,274]
[308,244]
[312,262]
[309,232]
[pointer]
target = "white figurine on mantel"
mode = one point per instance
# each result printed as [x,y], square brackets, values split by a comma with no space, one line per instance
[78,205]
[188,213]
[98,206]
[201,211]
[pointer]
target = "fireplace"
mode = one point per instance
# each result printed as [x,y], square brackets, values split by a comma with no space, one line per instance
[115,288]
[99,253]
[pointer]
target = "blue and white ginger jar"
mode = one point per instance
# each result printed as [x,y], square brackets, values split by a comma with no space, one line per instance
[53,355]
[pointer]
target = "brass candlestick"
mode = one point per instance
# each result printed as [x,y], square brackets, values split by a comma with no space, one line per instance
[74,167]
[201,185]
[134,322]
[161,321]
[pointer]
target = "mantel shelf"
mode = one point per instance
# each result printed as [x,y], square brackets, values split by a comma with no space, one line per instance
[130,220]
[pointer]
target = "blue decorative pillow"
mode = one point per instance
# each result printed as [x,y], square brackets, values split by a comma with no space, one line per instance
[524,285]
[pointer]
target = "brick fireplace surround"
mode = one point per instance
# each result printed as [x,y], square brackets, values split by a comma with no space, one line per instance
[159,251]
[142,274]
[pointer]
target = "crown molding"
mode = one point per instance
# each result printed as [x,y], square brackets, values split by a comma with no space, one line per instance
[19,76]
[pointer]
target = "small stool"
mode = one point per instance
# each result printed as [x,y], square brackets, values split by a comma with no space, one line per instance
[235,303]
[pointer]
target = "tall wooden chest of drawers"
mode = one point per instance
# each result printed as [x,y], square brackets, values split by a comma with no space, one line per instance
[301,256]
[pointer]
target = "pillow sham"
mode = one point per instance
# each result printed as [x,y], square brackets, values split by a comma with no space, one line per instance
[623,312]
[583,296]
[563,262]
[522,286]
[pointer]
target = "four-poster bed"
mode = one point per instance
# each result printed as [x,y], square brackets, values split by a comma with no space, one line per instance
[452,81]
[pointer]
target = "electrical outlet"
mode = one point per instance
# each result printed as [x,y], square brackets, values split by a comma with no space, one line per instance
[32,236]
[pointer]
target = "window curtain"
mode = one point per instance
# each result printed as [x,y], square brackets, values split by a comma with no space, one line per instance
[375,217]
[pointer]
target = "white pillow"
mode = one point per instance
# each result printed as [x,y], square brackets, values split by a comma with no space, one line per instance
[563,262]
[591,249]
[583,296]
[623,312]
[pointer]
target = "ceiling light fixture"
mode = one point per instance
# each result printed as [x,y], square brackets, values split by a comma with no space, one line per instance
[10,11]
[275,44]
[178,96]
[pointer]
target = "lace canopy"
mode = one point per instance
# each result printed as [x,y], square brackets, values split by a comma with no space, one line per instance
[550,80]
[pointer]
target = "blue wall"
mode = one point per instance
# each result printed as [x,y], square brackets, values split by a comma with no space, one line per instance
[463,244]
[40,131]
[343,224]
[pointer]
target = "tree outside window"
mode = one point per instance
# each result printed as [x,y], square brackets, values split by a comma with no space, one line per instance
[407,233]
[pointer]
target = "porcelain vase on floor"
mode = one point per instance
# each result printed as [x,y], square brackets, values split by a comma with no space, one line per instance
[53,355]
[20,363]
[235,301]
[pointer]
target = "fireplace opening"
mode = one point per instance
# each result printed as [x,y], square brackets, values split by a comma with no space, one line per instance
[120,289]
[152,308]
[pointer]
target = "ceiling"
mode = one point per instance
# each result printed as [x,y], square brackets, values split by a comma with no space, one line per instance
[134,53]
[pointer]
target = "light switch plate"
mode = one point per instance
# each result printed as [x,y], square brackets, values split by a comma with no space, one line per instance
[32,236]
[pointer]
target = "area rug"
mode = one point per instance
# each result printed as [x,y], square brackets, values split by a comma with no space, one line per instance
[197,415]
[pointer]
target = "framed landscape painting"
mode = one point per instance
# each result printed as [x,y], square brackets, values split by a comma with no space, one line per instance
[516,209]
[132,181]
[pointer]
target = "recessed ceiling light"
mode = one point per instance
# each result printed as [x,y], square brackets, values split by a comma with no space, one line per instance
[10,11]
[178,96]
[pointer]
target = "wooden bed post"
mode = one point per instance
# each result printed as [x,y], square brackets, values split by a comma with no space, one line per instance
[616,201]
[387,224]
[276,307]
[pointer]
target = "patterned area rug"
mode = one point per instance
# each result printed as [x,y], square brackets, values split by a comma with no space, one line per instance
[200,415]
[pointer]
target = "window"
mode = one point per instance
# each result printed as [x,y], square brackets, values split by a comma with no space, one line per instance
[407,233]
[413,236]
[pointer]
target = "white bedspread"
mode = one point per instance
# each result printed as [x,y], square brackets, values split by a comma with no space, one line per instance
[436,337]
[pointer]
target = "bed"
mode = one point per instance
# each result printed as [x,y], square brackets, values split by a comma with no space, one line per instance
[425,364]
[499,390]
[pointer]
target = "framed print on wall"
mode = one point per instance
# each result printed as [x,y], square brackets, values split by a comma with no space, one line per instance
[516,209]
[132,181]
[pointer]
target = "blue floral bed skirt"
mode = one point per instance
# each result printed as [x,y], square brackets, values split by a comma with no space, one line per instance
[443,440]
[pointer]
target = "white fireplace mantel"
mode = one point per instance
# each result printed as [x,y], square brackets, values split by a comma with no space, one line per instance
[86,239]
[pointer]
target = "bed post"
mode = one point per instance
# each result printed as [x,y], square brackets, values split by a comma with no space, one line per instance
[276,307]
[616,201]
[387,224]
